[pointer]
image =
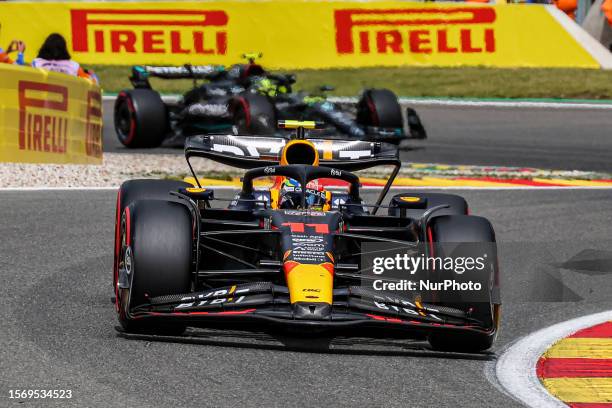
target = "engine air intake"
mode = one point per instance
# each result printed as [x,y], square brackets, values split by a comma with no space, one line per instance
[300,152]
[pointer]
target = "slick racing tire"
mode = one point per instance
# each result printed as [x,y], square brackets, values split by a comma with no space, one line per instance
[129,192]
[254,114]
[156,253]
[468,230]
[140,118]
[379,108]
[133,190]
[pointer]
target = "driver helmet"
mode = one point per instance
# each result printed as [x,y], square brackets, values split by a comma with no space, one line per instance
[290,195]
[265,86]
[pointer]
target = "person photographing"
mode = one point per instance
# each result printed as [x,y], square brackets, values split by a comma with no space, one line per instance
[17,46]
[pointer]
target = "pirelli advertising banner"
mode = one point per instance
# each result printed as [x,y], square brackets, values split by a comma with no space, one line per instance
[48,117]
[305,34]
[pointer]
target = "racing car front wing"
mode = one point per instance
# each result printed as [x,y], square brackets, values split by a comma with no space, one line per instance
[267,303]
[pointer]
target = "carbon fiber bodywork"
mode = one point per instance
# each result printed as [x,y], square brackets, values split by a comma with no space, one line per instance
[257,262]
[245,246]
[267,303]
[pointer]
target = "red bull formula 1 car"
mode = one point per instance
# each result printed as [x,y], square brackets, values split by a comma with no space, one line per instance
[287,256]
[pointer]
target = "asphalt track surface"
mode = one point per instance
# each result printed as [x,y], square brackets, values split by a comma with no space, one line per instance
[548,138]
[58,321]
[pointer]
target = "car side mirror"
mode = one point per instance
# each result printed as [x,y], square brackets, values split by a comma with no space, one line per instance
[198,193]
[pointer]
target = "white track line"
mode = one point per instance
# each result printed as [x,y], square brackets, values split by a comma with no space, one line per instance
[515,369]
[460,102]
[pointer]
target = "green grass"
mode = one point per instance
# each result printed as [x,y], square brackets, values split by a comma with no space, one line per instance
[476,82]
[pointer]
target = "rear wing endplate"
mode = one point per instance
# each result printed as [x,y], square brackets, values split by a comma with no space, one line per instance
[142,73]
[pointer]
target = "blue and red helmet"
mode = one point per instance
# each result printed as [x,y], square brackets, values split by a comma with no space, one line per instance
[291,191]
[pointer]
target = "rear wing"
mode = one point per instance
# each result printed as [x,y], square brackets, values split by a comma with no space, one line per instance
[248,152]
[142,73]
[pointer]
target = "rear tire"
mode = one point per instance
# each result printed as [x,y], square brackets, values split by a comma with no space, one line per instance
[468,229]
[157,251]
[140,118]
[379,108]
[254,114]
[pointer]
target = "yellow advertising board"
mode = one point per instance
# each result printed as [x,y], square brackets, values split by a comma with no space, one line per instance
[47,117]
[305,34]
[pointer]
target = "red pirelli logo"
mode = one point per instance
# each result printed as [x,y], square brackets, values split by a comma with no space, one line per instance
[149,31]
[424,30]
[41,126]
[93,124]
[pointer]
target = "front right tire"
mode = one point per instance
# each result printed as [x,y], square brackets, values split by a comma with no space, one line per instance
[462,232]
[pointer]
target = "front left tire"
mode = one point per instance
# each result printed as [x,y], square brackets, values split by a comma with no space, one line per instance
[134,190]
[155,259]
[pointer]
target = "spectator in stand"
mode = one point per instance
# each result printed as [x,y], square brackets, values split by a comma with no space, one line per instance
[606,7]
[54,56]
[15,46]
[568,7]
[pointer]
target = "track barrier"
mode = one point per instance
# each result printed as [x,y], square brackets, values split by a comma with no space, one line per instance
[48,117]
[309,34]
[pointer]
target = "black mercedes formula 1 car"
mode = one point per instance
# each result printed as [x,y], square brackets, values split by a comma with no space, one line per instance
[247,99]
[273,258]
